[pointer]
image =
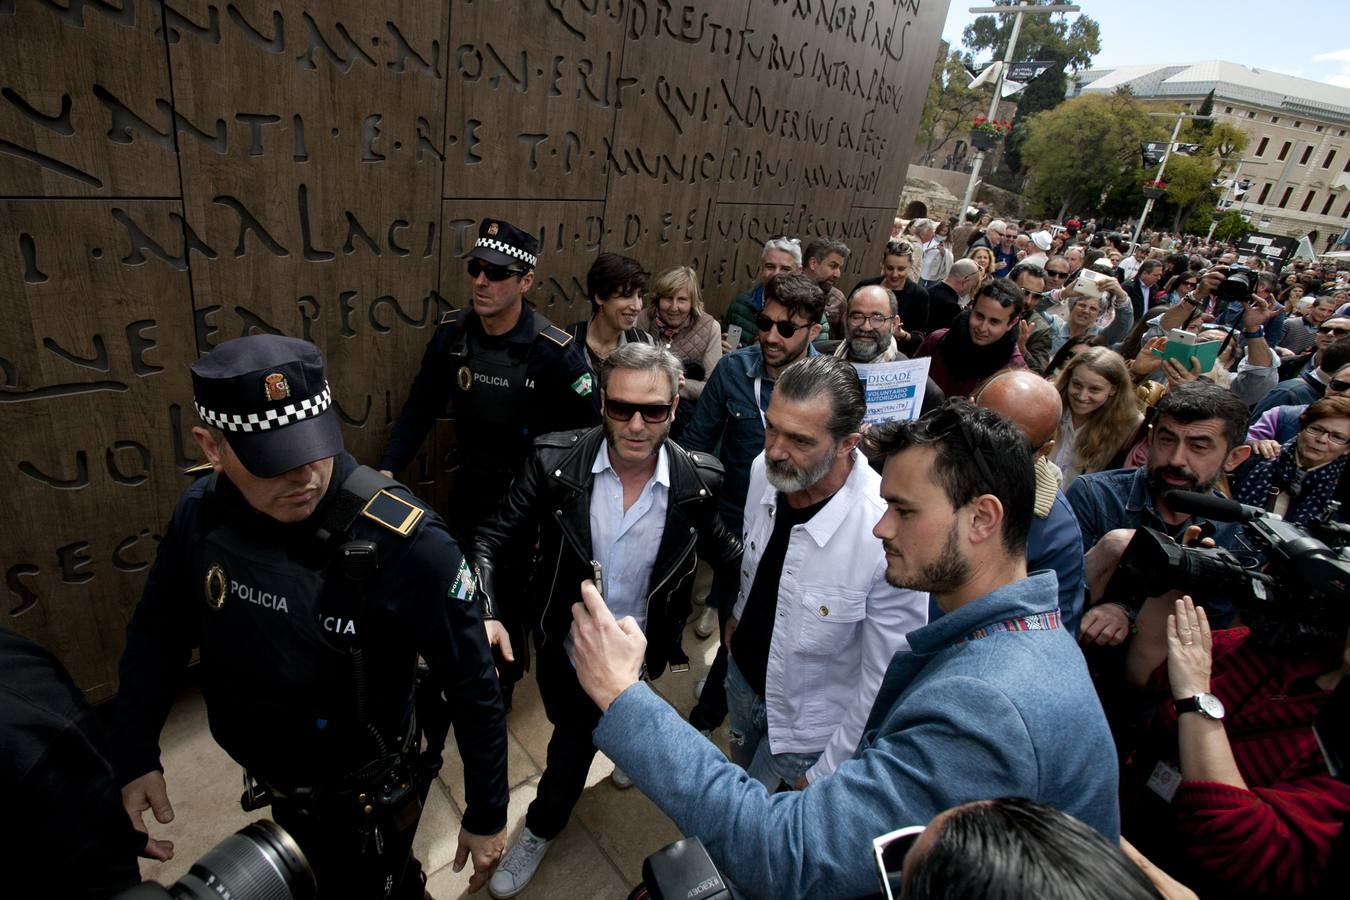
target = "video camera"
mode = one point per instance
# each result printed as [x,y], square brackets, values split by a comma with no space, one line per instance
[1294,589]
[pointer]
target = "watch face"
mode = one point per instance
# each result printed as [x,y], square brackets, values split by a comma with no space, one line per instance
[1210,705]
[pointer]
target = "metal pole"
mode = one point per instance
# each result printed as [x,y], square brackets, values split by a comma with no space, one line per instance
[993,107]
[1148,202]
[1213,224]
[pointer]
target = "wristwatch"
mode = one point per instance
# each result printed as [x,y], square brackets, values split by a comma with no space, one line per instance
[1207,705]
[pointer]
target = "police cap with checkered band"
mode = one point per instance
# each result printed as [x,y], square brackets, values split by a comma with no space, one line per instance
[503,244]
[267,393]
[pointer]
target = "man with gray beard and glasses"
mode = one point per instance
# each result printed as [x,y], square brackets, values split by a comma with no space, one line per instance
[872,326]
[815,623]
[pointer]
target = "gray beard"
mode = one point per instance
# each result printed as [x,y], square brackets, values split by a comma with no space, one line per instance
[865,349]
[789,479]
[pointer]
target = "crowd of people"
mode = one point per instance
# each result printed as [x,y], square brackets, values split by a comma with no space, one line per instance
[924,623]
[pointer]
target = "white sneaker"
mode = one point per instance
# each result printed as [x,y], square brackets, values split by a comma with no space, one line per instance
[621,779]
[518,866]
[698,688]
[707,623]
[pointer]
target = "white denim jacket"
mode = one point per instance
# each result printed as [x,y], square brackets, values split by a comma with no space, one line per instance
[839,622]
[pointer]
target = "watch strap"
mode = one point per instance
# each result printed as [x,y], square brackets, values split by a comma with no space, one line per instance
[1189,704]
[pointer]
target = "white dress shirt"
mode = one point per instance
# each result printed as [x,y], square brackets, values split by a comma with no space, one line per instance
[623,541]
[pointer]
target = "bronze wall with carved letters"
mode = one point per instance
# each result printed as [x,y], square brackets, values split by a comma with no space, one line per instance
[176,174]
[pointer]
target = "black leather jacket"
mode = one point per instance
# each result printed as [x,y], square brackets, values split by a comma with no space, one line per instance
[552,494]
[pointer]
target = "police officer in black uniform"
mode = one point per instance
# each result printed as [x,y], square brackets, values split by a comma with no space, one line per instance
[311,585]
[509,375]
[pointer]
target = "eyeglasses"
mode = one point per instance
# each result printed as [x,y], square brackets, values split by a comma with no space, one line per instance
[1340,440]
[622,411]
[786,327]
[1033,295]
[1055,273]
[494,273]
[1336,384]
[889,852]
[947,420]
[1333,330]
[1190,283]
[877,319]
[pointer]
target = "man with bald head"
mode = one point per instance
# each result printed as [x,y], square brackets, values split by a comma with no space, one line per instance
[948,297]
[1054,542]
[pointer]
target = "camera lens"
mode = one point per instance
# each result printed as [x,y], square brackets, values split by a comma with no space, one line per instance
[260,862]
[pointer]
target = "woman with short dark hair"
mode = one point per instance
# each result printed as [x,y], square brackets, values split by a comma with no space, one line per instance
[1299,481]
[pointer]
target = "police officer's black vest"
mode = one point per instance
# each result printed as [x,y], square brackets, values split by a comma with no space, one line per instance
[278,622]
[491,405]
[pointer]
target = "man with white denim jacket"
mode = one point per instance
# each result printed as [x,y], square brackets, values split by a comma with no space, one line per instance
[815,624]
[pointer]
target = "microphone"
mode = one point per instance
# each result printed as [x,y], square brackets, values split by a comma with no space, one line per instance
[1208,506]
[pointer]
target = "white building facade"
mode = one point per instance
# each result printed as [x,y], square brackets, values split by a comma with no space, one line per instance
[1299,152]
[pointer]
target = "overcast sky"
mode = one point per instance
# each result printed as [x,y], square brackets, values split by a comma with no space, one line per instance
[1307,38]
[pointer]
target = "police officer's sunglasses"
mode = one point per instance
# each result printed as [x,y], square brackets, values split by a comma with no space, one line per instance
[622,411]
[494,273]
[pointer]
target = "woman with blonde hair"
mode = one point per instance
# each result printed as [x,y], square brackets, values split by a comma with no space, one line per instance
[1100,412]
[983,257]
[674,317]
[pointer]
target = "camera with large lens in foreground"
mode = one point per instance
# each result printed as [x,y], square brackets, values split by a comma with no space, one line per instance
[257,862]
[1293,588]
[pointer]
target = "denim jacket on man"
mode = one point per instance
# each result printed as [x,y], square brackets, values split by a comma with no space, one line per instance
[958,718]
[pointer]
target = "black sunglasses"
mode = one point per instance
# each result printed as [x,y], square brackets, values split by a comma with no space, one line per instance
[622,411]
[948,420]
[1325,329]
[494,273]
[1052,273]
[1337,384]
[786,327]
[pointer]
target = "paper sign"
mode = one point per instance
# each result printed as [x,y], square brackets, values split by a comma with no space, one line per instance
[894,389]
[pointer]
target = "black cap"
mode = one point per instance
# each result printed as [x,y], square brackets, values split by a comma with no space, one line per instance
[503,244]
[269,396]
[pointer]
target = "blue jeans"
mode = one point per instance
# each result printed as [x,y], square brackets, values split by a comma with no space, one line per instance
[748,734]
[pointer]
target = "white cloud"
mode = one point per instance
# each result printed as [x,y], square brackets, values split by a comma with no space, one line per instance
[1340,80]
[1333,56]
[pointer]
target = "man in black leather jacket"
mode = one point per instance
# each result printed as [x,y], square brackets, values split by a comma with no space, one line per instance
[622,494]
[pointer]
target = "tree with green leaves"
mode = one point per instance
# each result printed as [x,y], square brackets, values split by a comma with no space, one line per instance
[1190,179]
[1084,150]
[949,108]
[1070,44]
[1232,227]
[1204,126]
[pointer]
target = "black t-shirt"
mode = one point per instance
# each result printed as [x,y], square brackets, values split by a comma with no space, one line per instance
[912,300]
[944,304]
[754,632]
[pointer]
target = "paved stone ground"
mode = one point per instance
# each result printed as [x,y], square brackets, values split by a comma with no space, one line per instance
[599,855]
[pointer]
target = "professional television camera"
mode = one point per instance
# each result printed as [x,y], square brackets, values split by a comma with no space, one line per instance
[1294,589]
[257,861]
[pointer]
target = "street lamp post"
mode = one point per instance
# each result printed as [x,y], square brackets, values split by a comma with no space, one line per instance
[1234,188]
[1022,7]
[1148,201]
